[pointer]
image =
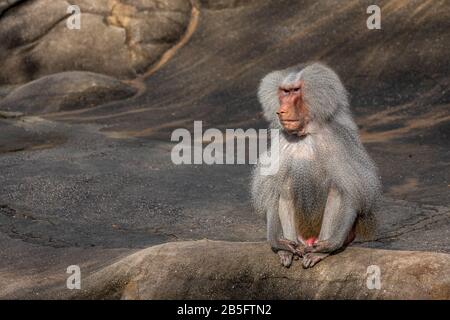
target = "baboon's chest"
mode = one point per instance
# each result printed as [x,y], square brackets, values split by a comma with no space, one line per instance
[301,169]
[304,179]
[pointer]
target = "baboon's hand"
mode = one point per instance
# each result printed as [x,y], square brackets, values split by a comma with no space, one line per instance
[300,250]
[296,248]
[322,246]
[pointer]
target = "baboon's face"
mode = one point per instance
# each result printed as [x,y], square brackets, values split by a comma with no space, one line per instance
[293,112]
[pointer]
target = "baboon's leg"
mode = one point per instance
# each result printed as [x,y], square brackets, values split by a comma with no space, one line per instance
[286,212]
[285,248]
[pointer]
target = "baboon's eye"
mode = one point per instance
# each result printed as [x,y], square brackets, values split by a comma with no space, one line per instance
[285,91]
[296,90]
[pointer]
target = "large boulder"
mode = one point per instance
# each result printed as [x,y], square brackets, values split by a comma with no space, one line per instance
[65,91]
[250,270]
[119,38]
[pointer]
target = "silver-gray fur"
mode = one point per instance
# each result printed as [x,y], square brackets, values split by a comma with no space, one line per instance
[326,178]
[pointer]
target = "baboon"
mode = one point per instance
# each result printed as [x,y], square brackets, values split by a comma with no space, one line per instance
[327,188]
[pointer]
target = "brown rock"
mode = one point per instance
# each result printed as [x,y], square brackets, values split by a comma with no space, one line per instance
[115,38]
[249,270]
[16,138]
[65,91]
[224,4]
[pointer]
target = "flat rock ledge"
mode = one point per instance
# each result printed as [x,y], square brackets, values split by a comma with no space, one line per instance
[207,269]
[65,91]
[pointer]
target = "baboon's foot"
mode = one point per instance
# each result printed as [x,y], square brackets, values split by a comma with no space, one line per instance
[286,258]
[311,259]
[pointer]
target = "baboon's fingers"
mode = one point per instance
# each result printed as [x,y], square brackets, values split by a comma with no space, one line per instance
[288,242]
[311,259]
[300,251]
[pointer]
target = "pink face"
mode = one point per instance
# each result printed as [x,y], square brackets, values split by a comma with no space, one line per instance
[293,112]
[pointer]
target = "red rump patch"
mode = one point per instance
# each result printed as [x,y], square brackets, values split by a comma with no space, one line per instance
[310,241]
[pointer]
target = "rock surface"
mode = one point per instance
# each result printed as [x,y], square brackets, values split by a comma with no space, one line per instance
[16,138]
[89,185]
[225,4]
[64,92]
[229,270]
[118,38]
[6,4]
